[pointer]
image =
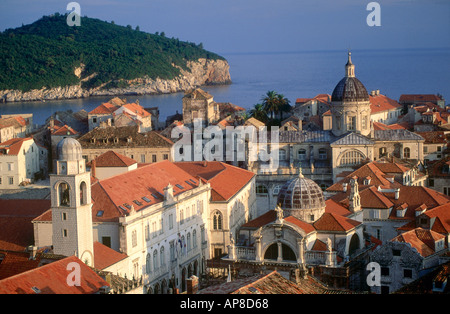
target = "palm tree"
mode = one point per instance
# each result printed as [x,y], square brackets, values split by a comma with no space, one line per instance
[270,103]
[283,105]
[259,113]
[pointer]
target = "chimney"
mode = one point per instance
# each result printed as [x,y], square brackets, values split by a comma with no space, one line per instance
[168,193]
[32,250]
[93,168]
[192,285]
[397,193]
[300,124]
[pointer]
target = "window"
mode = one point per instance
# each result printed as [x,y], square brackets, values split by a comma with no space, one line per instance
[154,229]
[64,233]
[143,158]
[382,151]
[431,182]
[64,216]
[172,250]
[11,180]
[83,195]
[10,166]
[351,158]
[153,158]
[446,190]
[148,267]
[384,271]
[133,238]
[261,189]
[188,242]
[162,258]
[406,153]
[396,252]
[170,221]
[181,216]
[364,123]
[322,153]
[155,260]
[194,239]
[217,220]
[302,154]
[439,148]
[351,123]
[63,194]
[282,154]
[94,120]
[165,156]
[407,273]
[106,241]
[425,149]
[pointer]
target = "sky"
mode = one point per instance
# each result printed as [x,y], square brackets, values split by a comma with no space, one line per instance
[246,26]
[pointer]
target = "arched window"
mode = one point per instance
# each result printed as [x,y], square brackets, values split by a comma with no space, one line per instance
[155,260]
[217,220]
[64,194]
[276,189]
[148,268]
[261,189]
[188,241]
[351,158]
[181,216]
[194,238]
[407,153]
[302,154]
[83,195]
[382,151]
[162,258]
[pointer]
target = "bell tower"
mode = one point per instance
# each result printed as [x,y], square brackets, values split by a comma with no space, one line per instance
[71,203]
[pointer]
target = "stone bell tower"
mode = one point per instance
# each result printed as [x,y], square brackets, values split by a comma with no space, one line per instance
[71,203]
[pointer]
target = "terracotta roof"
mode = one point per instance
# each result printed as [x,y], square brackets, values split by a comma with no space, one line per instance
[262,220]
[336,208]
[105,256]
[425,283]
[333,222]
[435,137]
[105,108]
[137,109]
[63,130]
[419,98]
[442,215]
[16,122]
[16,229]
[113,159]
[272,283]
[52,279]
[380,103]
[421,239]
[197,93]
[13,146]
[15,263]
[301,224]
[439,168]
[225,180]
[118,137]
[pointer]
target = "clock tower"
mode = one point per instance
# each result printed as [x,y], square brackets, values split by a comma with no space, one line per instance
[71,203]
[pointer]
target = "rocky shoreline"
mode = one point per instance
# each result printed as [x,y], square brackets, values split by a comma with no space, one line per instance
[202,72]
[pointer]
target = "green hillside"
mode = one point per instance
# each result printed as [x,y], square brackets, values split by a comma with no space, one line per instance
[46,52]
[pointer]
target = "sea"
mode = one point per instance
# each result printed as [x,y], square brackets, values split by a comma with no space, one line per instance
[300,74]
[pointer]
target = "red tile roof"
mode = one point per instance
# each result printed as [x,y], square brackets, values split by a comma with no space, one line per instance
[419,98]
[420,239]
[262,220]
[137,109]
[13,146]
[113,159]
[16,228]
[333,222]
[52,279]
[63,130]
[225,180]
[105,256]
[381,103]
[442,215]
[301,224]
[15,263]
[105,108]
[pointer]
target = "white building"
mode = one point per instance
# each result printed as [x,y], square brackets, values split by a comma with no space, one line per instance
[19,161]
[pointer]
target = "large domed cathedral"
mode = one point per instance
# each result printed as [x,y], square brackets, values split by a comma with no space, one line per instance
[302,232]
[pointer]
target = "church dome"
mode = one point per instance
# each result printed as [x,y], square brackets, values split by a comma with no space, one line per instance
[69,149]
[302,198]
[350,89]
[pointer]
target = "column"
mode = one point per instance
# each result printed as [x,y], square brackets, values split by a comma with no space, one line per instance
[280,252]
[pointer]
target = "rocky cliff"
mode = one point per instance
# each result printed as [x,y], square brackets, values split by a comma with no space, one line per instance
[202,72]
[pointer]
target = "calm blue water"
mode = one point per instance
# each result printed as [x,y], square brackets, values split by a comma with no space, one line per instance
[294,74]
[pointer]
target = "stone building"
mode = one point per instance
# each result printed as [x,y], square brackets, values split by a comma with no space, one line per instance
[146,147]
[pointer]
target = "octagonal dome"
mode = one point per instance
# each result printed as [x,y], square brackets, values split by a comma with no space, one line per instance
[349,89]
[302,198]
[69,149]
